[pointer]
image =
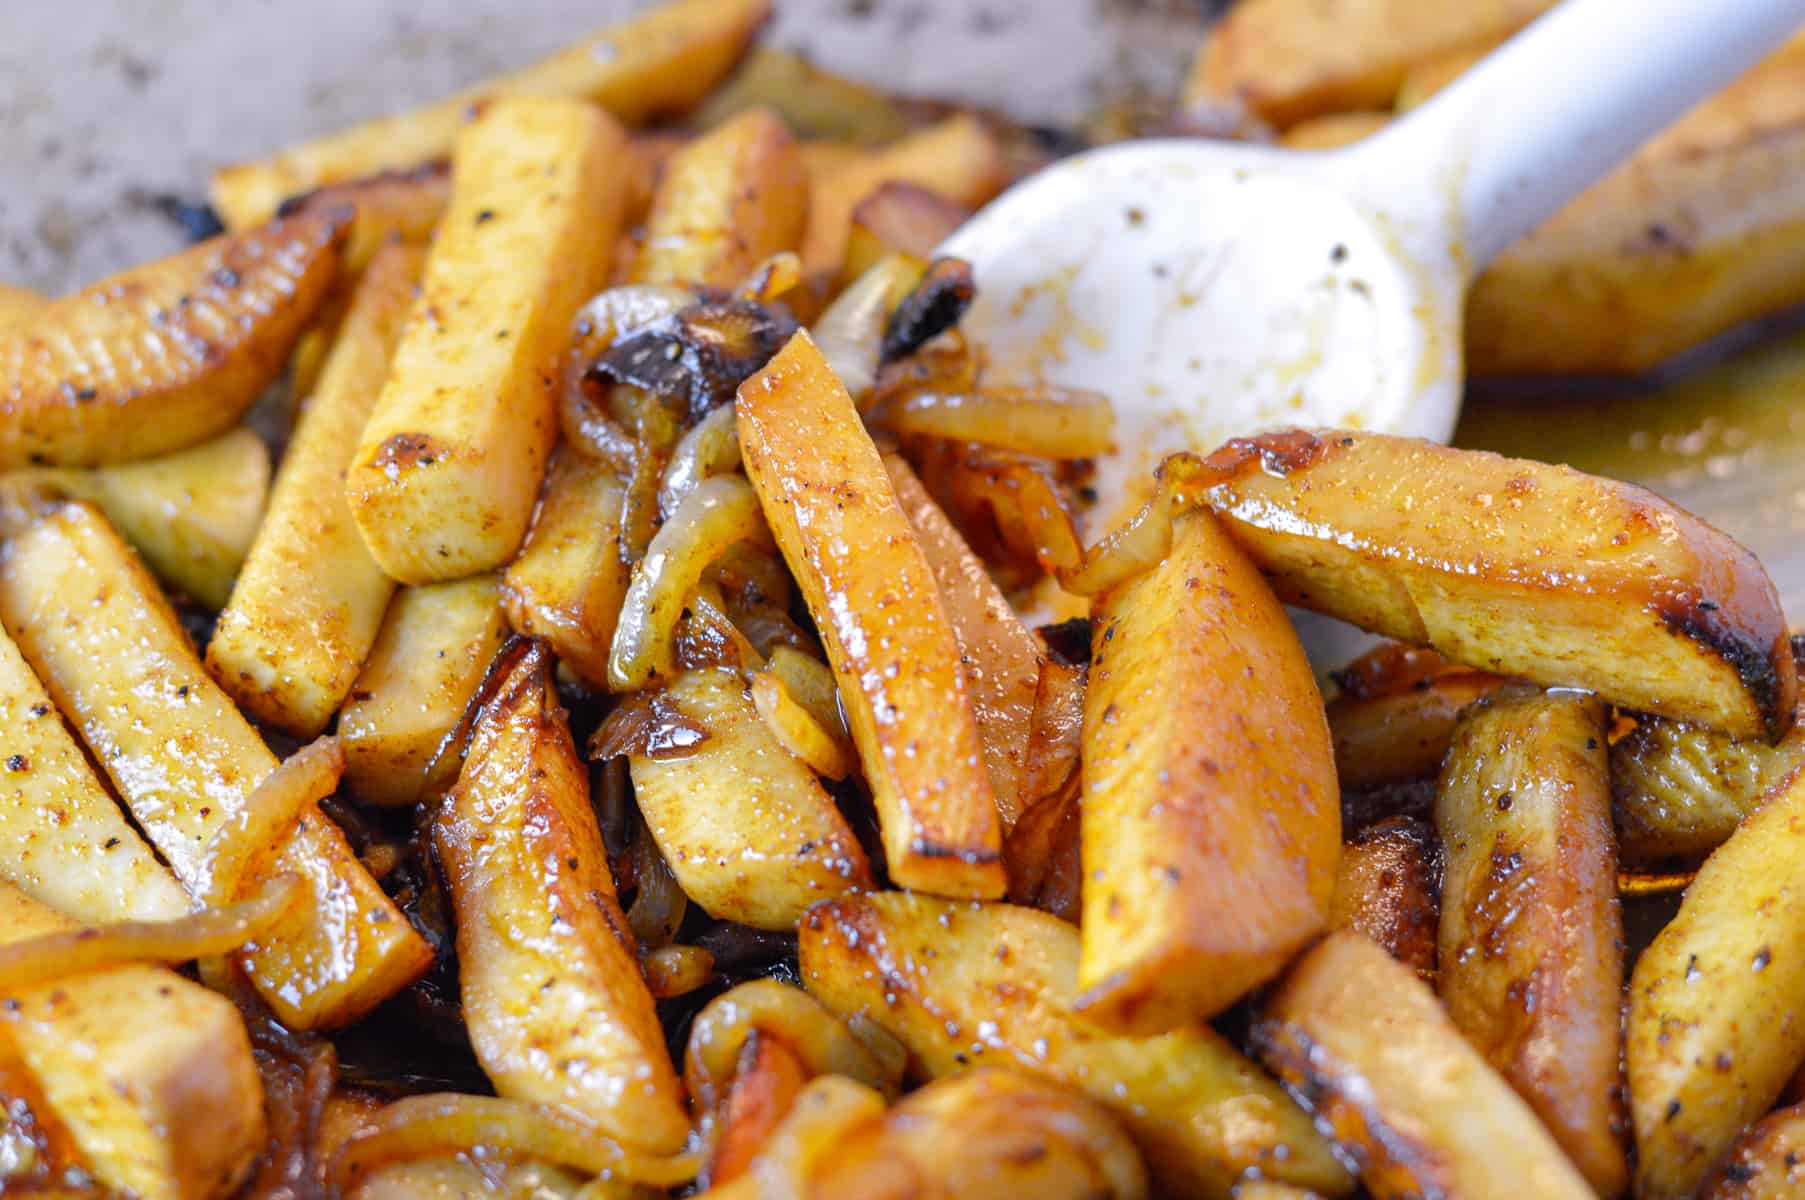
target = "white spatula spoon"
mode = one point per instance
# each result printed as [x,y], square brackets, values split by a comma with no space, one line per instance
[1211,289]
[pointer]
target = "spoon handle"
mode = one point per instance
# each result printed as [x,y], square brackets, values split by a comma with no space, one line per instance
[1559,105]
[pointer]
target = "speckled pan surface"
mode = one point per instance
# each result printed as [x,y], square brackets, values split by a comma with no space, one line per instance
[105,104]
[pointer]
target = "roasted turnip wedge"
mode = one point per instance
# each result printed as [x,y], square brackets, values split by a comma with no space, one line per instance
[1389,888]
[63,840]
[427,662]
[1680,790]
[191,514]
[113,654]
[978,984]
[1365,1045]
[307,606]
[1767,1162]
[1002,658]
[663,60]
[728,200]
[1713,1028]
[557,1009]
[567,582]
[166,354]
[150,1072]
[1511,566]
[747,829]
[872,592]
[1211,820]
[1531,939]
[448,468]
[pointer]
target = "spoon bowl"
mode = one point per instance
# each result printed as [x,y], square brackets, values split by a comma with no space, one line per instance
[1212,289]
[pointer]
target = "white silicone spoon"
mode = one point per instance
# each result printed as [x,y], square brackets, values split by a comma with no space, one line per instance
[1211,289]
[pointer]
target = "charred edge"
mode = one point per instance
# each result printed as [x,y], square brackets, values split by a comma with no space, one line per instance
[349,191]
[1278,453]
[520,662]
[197,219]
[1757,666]
[699,355]
[934,306]
[1358,1134]
[928,848]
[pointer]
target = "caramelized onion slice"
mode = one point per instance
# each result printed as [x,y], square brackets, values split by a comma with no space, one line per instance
[447,1123]
[1126,553]
[52,956]
[810,683]
[711,447]
[797,729]
[792,1016]
[1046,421]
[850,333]
[676,970]
[300,781]
[718,513]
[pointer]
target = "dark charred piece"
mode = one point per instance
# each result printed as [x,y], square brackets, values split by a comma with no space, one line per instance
[1069,641]
[647,723]
[934,306]
[699,355]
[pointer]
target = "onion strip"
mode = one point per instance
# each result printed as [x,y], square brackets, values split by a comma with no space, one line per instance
[850,334]
[802,1023]
[810,683]
[676,970]
[797,729]
[1130,551]
[446,1123]
[711,448]
[48,957]
[717,514]
[1045,421]
[238,846]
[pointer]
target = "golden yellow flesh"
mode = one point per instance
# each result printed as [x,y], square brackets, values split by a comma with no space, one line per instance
[1001,657]
[444,479]
[958,158]
[567,583]
[309,600]
[434,646]
[988,984]
[747,829]
[1516,567]
[1288,60]
[191,514]
[1211,819]
[1398,1087]
[164,355]
[1713,1032]
[150,1072]
[728,200]
[63,840]
[556,1007]
[92,624]
[836,517]
[1531,939]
